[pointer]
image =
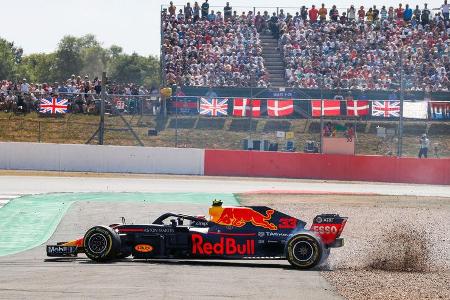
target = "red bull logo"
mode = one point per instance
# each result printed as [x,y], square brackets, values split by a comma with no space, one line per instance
[239,216]
[226,246]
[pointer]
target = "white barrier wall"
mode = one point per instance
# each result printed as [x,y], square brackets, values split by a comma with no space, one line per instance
[96,158]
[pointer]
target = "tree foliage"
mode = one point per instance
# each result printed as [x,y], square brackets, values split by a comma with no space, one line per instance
[79,56]
[10,58]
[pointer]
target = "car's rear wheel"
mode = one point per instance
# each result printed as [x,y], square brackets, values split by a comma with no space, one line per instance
[101,243]
[304,251]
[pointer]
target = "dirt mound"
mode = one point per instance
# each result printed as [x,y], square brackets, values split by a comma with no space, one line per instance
[401,248]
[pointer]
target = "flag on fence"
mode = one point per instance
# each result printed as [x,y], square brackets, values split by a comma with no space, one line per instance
[279,108]
[386,109]
[415,110]
[243,106]
[184,105]
[53,105]
[357,108]
[439,110]
[213,107]
[327,107]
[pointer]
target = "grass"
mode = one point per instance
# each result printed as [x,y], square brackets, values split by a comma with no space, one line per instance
[77,129]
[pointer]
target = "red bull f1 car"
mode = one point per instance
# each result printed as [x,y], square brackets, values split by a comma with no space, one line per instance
[230,233]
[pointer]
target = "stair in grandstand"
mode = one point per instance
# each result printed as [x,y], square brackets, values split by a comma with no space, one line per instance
[272,60]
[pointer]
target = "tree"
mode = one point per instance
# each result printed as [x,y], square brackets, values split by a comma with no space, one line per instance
[8,60]
[115,51]
[39,67]
[68,59]
[79,56]
[134,68]
[95,60]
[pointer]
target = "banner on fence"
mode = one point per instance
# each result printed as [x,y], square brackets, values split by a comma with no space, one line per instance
[415,110]
[280,108]
[213,107]
[357,108]
[243,106]
[439,110]
[53,106]
[386,109]
[326,107]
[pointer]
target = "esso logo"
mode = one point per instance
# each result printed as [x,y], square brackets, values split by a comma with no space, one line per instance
[325,229]
[143,248]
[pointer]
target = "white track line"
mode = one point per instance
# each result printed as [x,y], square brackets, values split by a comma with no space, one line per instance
[9,196]
[4,199]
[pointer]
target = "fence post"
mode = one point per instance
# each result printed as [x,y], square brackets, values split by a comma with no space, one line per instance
[101,131]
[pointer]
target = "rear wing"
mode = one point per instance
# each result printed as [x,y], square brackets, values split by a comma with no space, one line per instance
[329,227]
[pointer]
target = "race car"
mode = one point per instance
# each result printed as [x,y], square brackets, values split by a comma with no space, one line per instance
[231,232]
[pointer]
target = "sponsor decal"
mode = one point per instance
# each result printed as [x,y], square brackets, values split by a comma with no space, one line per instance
[199,223]
[159,230]
[226,246]
[261,234]
[240,216]
[277,234]
[143,248]
[325,229]
[320,219]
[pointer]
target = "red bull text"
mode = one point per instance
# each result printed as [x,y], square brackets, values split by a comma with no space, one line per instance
[226,246]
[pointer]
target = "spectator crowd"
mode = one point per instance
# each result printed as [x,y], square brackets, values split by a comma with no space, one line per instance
[359,48]
[204,48]
[83,94]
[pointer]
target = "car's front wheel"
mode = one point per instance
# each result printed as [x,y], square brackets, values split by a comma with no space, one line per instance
[304,251]
[101,243]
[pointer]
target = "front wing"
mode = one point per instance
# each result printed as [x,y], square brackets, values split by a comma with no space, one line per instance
[62,251]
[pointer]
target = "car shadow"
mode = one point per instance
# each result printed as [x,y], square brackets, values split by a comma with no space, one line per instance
[205,263]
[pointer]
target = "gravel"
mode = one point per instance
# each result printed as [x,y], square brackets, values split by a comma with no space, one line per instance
[396,247]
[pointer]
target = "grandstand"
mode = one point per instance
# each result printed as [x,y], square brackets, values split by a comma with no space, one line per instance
[367,53]
[260,71]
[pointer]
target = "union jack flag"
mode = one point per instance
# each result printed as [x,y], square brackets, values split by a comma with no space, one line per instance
[386,109]
[53,105]
[213,107]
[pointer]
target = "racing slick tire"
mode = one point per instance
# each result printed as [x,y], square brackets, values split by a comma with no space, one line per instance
[304,251]
[101,243]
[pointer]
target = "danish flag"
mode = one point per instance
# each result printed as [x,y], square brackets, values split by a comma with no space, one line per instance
[279,108]
[328,107]
[243,106]
[357,108]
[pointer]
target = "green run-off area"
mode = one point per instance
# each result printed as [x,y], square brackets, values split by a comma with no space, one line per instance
[29,221]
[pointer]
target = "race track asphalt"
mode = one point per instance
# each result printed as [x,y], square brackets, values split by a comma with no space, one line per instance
[31,275]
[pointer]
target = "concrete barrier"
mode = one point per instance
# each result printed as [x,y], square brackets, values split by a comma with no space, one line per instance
[327,166]
[94,158]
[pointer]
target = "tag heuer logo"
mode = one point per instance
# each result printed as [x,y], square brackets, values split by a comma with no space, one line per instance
[260,234]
